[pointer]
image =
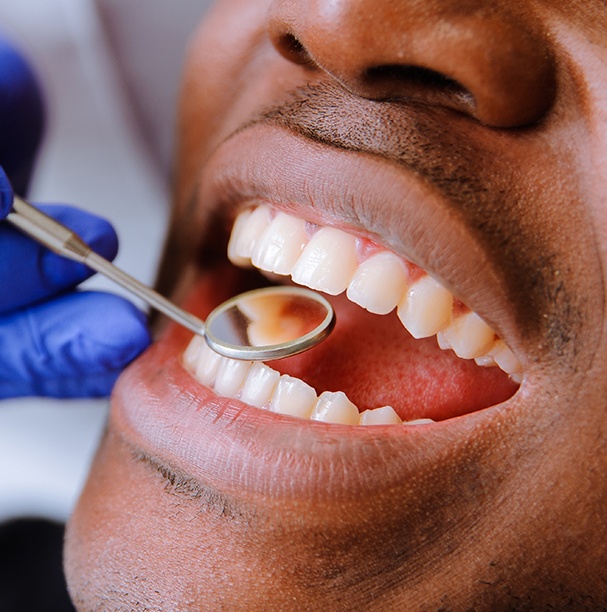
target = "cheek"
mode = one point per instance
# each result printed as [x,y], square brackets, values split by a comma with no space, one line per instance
[133,543]
[214,75]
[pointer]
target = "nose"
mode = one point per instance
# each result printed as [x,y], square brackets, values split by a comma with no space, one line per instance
[477,57]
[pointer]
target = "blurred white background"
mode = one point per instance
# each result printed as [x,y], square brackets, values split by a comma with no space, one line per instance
[110,71]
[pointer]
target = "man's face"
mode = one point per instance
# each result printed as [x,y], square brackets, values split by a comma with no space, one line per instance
[443,158]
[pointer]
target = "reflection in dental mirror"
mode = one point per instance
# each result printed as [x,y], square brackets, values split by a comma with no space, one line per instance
[269,323]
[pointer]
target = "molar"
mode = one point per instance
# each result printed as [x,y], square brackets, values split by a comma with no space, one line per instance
[500,355]
[486,361]
[469,336]
[505,358]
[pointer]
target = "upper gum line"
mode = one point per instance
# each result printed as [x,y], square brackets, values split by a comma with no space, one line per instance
[372,276]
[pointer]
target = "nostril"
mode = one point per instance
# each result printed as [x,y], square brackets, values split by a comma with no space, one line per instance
[417,82]
[292,49]
[416,75]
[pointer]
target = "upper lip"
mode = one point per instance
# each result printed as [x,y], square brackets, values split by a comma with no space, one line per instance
[365,196]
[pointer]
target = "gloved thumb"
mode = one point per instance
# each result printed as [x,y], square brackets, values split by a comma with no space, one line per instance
[6,195]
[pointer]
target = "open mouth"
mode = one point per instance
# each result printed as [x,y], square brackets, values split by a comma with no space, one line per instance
[434,357]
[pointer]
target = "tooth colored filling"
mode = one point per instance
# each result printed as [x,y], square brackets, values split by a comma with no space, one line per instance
[330,260]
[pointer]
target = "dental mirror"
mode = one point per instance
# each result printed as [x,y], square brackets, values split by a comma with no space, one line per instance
[259,325]
[269,323]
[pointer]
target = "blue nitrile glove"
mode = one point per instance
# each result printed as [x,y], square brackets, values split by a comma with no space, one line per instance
[6,195]
[21,116]
[55,341]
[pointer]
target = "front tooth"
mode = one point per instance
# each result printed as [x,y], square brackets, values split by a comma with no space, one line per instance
[280,245]
[379,283]
[328,261]
[208,365]
[231,375]
[259,385]
[236,242]
[294,397]
[426,309]
[335,408]
[469,336]
[246,232]
[380,416]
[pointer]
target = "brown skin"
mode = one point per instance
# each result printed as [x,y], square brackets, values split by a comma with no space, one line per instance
[500,510]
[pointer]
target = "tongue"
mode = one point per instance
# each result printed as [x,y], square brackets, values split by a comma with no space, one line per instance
[376,362]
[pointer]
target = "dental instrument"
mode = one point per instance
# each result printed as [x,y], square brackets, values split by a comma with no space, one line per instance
[259,325]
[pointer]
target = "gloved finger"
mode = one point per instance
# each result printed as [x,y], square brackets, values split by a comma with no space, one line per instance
[6,195]
[30,272]
[73,346]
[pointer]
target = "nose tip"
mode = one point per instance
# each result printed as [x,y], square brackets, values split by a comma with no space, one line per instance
[491,65]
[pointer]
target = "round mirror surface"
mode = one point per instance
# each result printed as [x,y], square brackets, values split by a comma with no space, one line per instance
[269,323]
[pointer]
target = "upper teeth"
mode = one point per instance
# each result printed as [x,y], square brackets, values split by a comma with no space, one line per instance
[331,260]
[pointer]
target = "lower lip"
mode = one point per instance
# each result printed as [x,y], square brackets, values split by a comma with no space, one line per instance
[231,447]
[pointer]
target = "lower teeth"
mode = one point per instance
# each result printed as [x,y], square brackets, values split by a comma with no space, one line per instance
[262,387]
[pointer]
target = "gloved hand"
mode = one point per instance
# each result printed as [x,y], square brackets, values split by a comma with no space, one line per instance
[55,341]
